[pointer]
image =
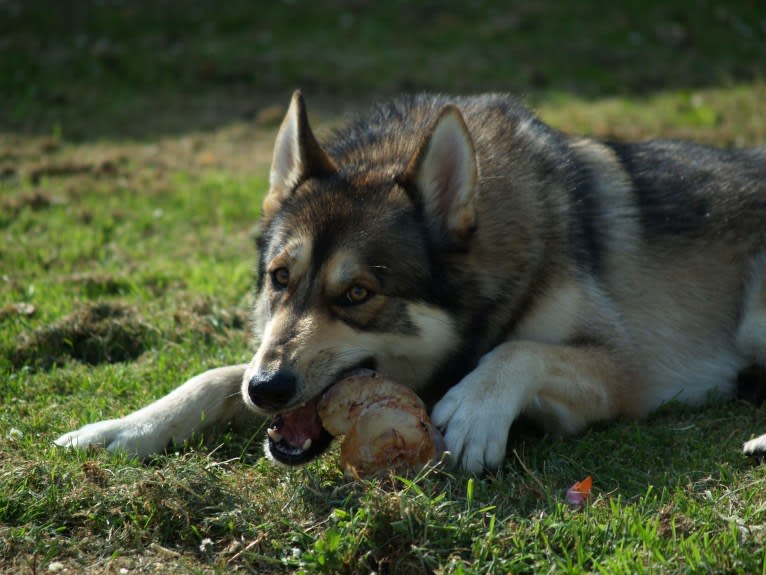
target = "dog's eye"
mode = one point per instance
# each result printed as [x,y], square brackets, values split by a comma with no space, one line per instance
[356,294]
[280,277]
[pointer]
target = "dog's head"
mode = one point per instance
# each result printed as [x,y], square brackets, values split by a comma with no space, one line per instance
[351,268]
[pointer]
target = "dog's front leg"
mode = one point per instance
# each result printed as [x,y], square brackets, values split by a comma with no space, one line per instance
[564,387]
[204,401]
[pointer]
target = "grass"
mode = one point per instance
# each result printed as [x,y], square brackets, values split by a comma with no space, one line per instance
[134,147]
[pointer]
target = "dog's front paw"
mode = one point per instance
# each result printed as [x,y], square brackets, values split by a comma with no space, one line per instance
[755,446]
[136,438]
[476,415]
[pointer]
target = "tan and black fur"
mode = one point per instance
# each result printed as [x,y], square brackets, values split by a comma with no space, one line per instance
[495,265]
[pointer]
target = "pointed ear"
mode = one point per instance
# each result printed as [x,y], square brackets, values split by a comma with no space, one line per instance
[297,156]
[444,175]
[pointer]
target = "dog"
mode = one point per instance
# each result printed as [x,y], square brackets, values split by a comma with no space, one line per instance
[495,265]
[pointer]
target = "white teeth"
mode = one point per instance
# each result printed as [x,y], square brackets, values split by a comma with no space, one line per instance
[306,444]
[276,437]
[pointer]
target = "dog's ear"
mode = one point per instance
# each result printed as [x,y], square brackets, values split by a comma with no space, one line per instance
[444,176]
[297,156]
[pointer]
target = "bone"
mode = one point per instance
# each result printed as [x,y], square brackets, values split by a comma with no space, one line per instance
[385,424]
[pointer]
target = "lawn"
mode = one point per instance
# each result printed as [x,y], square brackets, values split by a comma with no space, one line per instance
[135,139]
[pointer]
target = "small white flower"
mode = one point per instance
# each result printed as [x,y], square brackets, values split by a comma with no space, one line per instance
[205,544]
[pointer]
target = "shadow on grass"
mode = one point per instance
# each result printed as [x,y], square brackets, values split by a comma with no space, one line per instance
[142,69]
[679,446]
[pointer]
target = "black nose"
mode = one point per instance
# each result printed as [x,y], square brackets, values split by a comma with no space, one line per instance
[272,392]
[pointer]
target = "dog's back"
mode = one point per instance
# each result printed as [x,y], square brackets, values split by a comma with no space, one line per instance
[659,244]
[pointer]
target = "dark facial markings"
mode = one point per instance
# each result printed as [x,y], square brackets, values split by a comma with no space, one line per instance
[392,263]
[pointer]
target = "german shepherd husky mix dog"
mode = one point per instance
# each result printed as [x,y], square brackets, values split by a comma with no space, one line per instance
[496,266]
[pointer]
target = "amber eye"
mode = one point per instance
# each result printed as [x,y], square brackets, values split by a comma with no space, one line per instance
[357,294]
[280,277]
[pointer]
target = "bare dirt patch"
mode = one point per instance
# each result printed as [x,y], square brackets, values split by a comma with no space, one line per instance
[17,310]
[34,200]
[97,333]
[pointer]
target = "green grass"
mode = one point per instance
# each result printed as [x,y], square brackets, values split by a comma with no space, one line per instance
[134,147]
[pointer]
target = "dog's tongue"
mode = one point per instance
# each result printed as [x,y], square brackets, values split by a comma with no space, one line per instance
[299,424]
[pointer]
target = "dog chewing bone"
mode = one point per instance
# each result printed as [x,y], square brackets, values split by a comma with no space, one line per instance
[385,425]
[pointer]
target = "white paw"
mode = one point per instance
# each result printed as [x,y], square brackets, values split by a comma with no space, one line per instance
[755,446]
[477,414]
[137,438]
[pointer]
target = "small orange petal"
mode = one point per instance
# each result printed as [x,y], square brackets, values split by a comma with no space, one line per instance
[583,486]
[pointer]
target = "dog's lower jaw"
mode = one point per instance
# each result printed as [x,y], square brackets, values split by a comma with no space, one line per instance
[286,454]
[296,435]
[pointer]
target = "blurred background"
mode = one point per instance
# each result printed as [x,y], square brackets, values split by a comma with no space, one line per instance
[143,68]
